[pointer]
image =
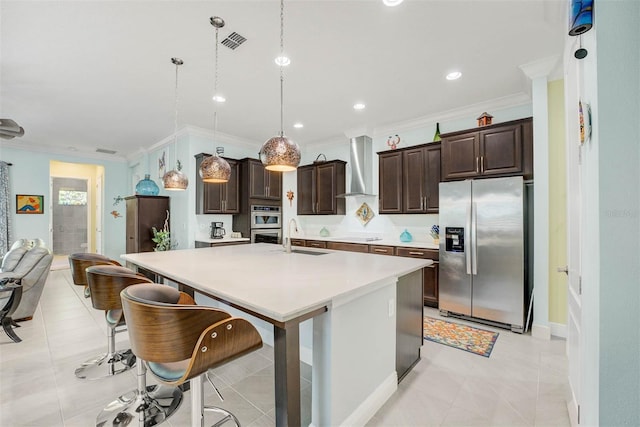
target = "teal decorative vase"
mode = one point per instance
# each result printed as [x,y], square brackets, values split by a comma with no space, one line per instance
[147,187]
[324,232]
[406,236]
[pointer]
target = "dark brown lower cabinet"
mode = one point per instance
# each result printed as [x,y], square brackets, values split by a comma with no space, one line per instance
[351,247]
[430,285]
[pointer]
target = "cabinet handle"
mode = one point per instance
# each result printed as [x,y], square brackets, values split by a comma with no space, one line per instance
[380,250]
[415,253]
[477,166]
[426,205]
[481,164]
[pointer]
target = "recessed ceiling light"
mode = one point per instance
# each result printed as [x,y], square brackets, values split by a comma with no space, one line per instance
[454,75]
[219,98]
[298,125]
[282,61]
[392,3]
[359,106]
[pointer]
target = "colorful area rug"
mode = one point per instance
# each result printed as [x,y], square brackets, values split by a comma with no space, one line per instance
[467,338]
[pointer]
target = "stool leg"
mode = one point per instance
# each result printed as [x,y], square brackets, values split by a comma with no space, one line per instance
[150,405]
[107,364]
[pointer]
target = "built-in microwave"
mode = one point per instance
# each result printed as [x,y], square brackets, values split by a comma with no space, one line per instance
[265,216]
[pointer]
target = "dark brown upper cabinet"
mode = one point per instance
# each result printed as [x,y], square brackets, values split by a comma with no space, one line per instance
[390,182]
[217,198]
[503,149]
[263,184]
[318,186]
[409,179]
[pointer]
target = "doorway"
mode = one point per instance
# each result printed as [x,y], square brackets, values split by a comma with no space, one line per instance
[76,197]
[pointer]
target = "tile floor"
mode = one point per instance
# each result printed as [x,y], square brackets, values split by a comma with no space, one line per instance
[523,383]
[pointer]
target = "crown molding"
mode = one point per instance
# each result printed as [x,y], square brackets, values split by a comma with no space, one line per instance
[60,151]
[457,113]
[222,138]
[540,68]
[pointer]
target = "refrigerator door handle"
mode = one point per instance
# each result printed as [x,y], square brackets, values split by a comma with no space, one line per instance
[467,241]
[474,243]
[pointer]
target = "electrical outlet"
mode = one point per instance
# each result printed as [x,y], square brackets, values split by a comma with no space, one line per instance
[392,307]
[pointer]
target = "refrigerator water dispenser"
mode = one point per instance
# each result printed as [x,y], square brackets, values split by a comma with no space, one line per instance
[454,239]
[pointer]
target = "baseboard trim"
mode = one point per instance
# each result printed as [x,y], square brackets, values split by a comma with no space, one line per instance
[558,330]
[541,331]
[372,404]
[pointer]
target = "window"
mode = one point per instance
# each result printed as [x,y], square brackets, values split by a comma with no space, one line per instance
[72,198]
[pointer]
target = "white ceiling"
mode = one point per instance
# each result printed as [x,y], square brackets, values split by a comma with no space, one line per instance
[97,74]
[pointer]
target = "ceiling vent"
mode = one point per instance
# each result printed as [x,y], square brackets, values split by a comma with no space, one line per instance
[233,40]
[105,151]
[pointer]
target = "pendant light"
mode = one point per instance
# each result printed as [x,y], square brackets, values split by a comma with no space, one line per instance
[215,168]
[280,153]
[175,180]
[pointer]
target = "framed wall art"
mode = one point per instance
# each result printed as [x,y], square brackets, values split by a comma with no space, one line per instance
[29,204]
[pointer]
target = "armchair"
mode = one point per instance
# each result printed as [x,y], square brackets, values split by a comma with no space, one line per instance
[29,266]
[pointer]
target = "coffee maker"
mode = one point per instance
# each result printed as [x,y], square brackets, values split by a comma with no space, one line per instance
[217,232]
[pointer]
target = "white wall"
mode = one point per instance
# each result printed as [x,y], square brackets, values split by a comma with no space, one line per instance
[30,175]
[611,241]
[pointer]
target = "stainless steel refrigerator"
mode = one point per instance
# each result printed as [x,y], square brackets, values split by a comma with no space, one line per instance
[483,255]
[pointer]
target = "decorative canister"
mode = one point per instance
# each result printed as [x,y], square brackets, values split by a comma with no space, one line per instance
[147,187]
[406,236]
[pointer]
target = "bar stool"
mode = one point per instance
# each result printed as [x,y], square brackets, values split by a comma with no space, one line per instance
[80,261]
[180,342]
[105,282]
[150,405]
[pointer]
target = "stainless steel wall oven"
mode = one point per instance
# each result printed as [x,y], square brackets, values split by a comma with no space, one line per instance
[266,224]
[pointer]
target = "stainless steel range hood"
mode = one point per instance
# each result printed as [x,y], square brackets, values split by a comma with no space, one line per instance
[360,162]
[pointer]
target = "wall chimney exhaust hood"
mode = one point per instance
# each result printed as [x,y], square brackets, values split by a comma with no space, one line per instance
[360,161]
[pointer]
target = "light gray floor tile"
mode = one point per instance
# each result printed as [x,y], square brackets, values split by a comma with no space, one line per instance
[523,383]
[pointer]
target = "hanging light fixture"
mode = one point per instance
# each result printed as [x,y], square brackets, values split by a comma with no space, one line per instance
[175,180]
[280,153]
[215,168]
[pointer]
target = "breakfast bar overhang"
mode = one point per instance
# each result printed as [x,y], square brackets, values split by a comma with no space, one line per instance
[350,296]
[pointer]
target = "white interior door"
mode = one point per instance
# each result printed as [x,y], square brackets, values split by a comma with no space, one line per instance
[574,229]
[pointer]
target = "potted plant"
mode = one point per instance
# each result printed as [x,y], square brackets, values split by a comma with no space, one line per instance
[162,238]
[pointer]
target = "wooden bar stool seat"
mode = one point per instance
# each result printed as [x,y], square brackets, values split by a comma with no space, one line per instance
[180,342]
[79,263]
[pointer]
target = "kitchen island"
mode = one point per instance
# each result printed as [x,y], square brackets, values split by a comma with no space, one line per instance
[350,296]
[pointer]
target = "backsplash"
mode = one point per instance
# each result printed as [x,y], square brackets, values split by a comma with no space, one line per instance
[384,226]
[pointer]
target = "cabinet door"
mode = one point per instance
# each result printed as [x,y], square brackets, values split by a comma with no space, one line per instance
[257,180]
[501,151]
[432,178]
[306,190]
[413,180]
[274,185]
[390,183]
[326,176]
[212,198]
[231,190]
[460,156]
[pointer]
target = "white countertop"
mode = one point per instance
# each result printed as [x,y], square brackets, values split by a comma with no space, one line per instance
[281,286]
[223,240]
[382,241]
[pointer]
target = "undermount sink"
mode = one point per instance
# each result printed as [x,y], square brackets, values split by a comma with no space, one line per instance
[305,252]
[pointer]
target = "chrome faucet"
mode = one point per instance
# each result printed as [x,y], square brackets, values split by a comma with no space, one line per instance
[287,245]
